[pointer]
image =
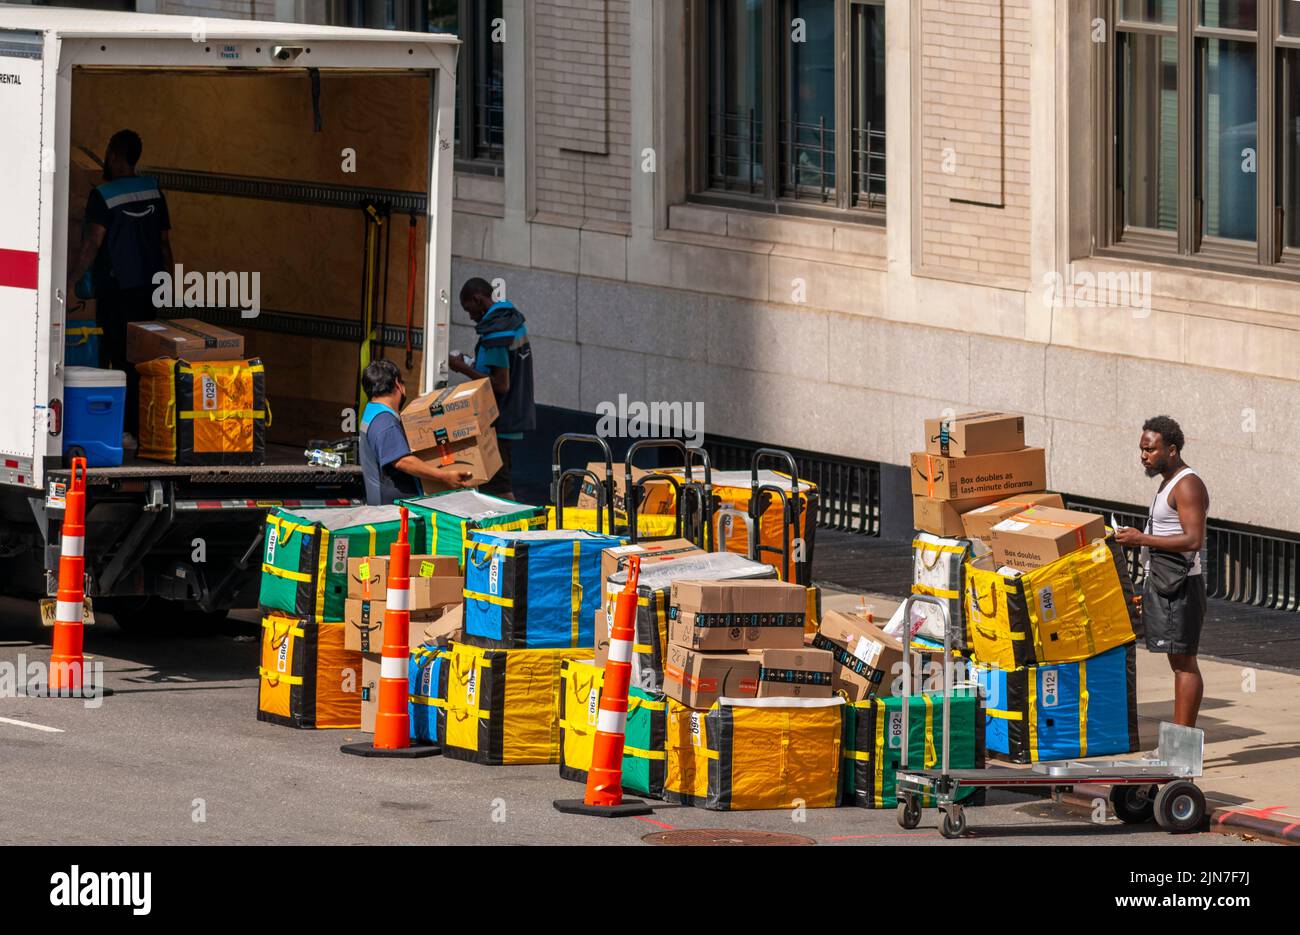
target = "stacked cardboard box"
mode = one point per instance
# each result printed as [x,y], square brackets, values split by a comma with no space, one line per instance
[452,427]
[655,497]
[741,639]
[868,662]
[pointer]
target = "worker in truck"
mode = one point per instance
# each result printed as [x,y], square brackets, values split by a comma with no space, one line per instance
[390,470]
[1173,545]
[504,356]
[124,245]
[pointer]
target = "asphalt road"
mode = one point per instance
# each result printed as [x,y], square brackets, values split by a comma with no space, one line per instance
[179,742]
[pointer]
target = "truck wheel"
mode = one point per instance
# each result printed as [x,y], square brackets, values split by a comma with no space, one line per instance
[1133,804]
[1180,807]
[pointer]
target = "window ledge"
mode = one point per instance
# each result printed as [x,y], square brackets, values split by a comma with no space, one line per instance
[486,189]
[780,233]
[482,208]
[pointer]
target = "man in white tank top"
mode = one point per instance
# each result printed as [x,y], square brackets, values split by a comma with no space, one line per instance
[1173,607]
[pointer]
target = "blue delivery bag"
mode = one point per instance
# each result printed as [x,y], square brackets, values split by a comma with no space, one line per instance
[533,589]
[425,703]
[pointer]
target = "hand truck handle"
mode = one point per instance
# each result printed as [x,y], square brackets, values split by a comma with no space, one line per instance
[907,670]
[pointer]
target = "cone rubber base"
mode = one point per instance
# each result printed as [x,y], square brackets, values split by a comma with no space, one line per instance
[85,693]
[625,809]
[413,752]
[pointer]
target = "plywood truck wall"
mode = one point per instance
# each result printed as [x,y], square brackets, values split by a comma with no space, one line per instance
[309,256]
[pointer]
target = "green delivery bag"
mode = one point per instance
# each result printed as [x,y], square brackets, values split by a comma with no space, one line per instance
[873,743]
[449,517]
[305,555]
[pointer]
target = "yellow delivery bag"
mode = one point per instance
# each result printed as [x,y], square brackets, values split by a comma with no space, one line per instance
[306,678]
[203,412]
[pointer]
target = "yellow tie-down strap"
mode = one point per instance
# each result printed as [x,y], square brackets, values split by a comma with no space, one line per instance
[213,415]
[284,573]
[490,549]
[945,593]
[488,598]
[275,678]
[288,527]
[1005,715]
[575,594]
[233,369]
[427,702]
[931,547]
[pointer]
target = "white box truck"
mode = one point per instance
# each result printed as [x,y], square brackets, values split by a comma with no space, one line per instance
[298,153]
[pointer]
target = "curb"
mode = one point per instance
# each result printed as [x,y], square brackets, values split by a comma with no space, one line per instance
[1271,824]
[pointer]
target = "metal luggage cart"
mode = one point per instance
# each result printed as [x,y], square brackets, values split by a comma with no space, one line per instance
[761,495]
[1141,789]
[691,497]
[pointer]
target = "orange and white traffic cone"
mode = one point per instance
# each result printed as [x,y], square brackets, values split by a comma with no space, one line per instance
[67,663]
[393,720]
[604,796]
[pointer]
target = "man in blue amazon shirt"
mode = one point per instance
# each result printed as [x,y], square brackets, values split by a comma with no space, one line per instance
[504,356]
[390,470]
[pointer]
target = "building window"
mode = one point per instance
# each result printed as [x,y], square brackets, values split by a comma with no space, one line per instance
[790,103]
[1203,114]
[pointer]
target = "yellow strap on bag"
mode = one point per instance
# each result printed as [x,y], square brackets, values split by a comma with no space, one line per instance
[1082,599]
[945,593]
[374,536]
[930,757]
[1033,714]
[322,572]
[488,598]
[575,595]
[275,678]
[285,573]
[214,415]
[1083,709]
[879,785]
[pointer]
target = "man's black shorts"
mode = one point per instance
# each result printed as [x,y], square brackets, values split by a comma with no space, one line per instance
[1173,624]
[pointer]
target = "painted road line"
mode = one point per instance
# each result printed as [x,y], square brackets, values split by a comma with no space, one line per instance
[48,730]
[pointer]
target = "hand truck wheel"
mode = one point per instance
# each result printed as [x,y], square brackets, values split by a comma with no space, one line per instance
[1180,807]
[1133,804]
[953,824]
[909,812]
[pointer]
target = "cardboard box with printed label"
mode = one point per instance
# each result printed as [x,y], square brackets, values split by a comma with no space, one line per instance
[979,522]
[368,575]
[1003,474]
[867,659]
[479,455]
[369,688]
[975,433]
[614,559]
[364,624]
[697,679]
[794,673]
[737,615]
[944,517]
[657,497]
[1041,534]
[450,415]
[181,339]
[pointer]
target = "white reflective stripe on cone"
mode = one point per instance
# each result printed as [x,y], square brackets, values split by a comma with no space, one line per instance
[393,667]
[399,599]
[620,650]
[611,722]
[68,612]
[73,546]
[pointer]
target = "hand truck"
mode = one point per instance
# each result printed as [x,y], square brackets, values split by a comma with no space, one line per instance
[1141,789]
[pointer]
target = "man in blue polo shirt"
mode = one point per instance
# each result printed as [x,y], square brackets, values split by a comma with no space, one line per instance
[504,356]
[124,244]
[390,470]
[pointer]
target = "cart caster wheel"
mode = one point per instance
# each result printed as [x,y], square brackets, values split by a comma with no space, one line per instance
[1133,805]
[909,812]
[1180,807]
[953,824]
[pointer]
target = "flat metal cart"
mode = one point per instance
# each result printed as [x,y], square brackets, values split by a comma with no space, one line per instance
[1141,789]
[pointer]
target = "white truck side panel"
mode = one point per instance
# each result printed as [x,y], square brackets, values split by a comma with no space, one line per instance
[24,259]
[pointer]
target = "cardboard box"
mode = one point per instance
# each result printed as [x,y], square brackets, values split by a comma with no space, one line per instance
[181,338]
[601,629]
[1042,534]
[364,621]
[794,673]
[479,455]
[657,497]
[613,559]
[369,688]
[944,517]
[975,433]
[1004,474]
[449,415]
[744,598]
[444,629]
[703,631]
[697,679]
[368,574]
[866,658]
[979,522]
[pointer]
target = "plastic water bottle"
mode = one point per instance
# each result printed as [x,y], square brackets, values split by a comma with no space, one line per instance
[318,457]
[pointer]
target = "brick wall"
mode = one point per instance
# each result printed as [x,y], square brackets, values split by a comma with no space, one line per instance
[583,109]
[975,136]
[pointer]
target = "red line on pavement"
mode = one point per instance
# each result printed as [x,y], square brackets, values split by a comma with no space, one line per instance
[18,268]
[653,822]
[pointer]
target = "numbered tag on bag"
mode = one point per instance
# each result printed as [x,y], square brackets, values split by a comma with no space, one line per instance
[471,688]
[697,729]
[207,393]
[1047,602]
[1051,686]
[494,576]
[894,730]
[272,536]
[593,707]
[340,562]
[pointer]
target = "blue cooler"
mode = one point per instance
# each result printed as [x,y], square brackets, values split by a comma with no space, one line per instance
[94,403]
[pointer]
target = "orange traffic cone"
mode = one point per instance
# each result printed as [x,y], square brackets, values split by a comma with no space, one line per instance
[604,796]
[67,664]
[393,722]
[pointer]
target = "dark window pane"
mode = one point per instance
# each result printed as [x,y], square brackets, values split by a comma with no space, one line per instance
[1150,11]
[1291,18]
[489,81]
[867,105]
[1288,130]
[1229,14]
[735,47]
[444,16]
[1147,109]
[808,115]
[1227,145]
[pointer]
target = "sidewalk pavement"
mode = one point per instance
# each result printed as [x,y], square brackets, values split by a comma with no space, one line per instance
[1251,719]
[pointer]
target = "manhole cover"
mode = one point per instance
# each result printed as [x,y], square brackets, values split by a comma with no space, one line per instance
[722,837]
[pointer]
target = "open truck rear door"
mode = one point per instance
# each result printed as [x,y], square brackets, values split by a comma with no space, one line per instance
[25,412]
